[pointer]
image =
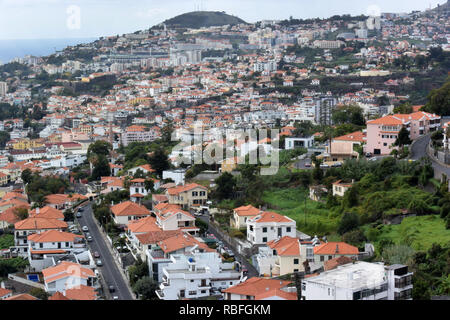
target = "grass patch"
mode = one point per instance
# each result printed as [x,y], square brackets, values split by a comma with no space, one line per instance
[418,232]
[291,203]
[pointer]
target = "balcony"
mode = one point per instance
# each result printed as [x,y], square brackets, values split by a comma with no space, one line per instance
[160,294]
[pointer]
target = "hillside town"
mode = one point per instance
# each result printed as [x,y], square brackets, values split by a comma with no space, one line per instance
[107,191]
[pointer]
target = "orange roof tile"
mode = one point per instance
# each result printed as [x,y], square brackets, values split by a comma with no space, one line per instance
[249,210]
[260,288]
[269,216]
[129,208]
[286,246]
[40,224]
[82,292]
[332,248]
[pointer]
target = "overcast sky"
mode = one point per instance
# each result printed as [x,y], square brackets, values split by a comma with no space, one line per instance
[43,19]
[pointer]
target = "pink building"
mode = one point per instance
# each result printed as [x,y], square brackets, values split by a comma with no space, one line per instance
[382,132]
[137,133]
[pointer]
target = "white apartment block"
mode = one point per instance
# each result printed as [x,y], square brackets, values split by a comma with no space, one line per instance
[360,281]
[3,88]
[193,275]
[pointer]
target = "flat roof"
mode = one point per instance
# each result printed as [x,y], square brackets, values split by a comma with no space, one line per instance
[353,276]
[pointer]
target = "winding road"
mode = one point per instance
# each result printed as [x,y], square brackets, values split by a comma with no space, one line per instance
[419,150]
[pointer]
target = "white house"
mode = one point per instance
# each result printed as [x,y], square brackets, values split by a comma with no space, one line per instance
[125,212]
[68,275]
[44,248]
[269,226]
[296,142]
[192,275]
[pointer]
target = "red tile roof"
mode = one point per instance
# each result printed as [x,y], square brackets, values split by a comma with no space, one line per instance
[332,248]
[129,208]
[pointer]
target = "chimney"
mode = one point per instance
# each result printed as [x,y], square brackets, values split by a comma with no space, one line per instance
[337,248]
[37,210]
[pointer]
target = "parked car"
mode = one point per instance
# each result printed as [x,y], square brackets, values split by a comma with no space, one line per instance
[230,253]
[78,215]
[115,298]
[85,229]
[308,165]
[368,154]
[245,271]
[99,263]
[81,209]
[112,289]
[324,166]
[96,254]
[89,239]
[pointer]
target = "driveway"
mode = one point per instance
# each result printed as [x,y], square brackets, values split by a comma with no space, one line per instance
[109,270]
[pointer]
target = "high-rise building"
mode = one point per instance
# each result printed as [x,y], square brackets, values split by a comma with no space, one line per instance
[3,89]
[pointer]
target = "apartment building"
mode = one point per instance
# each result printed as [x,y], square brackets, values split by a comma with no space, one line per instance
[383,132]
[137,133]
[194,274]
[187,196]
[269,226]
[360,281]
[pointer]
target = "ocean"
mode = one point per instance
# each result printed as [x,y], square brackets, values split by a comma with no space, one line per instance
[10,49]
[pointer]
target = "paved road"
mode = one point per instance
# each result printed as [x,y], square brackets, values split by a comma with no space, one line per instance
[252,272]
[109,270]
[418,150]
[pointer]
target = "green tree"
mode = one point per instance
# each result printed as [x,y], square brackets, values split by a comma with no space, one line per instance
[138,271]
[149,185]
[159,161]
[349,222]
[39,293]
[21,213]
[99,147]
[101,168]
[439,100]
[226,185]
[402,138]
[26,176]
[145,288]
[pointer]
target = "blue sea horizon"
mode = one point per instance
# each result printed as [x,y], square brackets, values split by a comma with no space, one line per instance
[10,49]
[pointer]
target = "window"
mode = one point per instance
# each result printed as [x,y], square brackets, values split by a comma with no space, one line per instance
[274,252]
[192,293]
[295,270]
[330,257]
[264,229]
[202,193]
[41,245]
[67,244]
[288,229]
[264,239]
[203,291]
[194,193]
[322,258]
[192,280]
[295,261]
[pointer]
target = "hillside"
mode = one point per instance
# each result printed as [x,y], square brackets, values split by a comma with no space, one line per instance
[200,19]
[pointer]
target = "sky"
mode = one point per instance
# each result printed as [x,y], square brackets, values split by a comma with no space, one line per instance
[48,19]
